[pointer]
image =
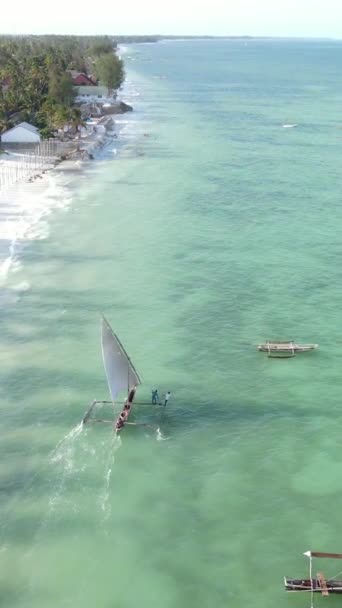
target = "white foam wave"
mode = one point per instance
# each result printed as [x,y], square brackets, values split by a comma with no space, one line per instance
[160,436]
[122,50]
[23,216]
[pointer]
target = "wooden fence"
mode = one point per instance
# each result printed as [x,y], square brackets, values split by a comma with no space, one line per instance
[20,162]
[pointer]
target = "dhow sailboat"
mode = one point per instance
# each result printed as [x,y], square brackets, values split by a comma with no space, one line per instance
[121,376]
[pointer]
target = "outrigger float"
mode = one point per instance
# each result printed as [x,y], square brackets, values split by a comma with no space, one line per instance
[318,583]
[121,376]
[284,349]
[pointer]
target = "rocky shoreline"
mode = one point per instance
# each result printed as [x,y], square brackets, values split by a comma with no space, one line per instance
[103,129]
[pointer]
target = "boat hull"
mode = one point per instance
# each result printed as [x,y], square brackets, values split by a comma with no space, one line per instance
[307,584]
[286,348]
[124,414]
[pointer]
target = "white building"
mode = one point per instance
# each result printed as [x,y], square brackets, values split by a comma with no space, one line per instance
[96,94]
[21,133]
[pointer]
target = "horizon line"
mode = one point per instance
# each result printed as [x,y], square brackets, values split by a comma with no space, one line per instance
[168,36]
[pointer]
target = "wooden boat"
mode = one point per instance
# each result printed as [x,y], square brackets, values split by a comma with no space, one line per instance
[284,349]
[121,376]
[318,583]
[120,372]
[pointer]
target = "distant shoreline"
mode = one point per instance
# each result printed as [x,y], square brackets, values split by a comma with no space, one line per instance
[153,38]
[143,39]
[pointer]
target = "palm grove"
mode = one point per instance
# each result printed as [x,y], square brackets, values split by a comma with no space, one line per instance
[35,82]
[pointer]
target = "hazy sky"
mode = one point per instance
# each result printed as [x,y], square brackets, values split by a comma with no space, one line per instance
[220,17]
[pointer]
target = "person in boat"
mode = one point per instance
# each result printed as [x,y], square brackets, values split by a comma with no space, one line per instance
[120,423]
[127,406]
[167,397]
[123,416]
[155,396]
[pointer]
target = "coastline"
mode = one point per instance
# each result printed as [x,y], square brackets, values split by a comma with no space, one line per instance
[18,164]
[26,203]
[189,251]
[28,162]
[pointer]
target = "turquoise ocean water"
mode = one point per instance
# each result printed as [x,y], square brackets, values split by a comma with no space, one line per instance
[206,228]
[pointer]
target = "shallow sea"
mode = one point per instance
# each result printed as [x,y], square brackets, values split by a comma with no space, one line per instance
[206,228]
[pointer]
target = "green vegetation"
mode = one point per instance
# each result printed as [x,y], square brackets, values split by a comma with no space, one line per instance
[101,48]
[35,81]
[109,70]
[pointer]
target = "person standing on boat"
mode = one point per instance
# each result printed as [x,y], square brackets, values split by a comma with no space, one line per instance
[167,397]
[155,396]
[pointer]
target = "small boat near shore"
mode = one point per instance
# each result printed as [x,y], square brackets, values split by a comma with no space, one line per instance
[318,583]
[289,348]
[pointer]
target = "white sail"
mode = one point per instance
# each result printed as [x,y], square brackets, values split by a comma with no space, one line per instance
[120,372]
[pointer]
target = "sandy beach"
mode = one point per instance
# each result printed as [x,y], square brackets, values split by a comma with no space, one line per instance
[31,188]
[38,189]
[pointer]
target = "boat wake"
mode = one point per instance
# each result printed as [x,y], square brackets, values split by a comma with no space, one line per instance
[64,456]
[160,436]
[60,468]
[105,506]
[65,446]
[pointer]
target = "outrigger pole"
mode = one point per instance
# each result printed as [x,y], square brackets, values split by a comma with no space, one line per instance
[95,420]
[88,413]
[321,554]
[119,370]
[120,402]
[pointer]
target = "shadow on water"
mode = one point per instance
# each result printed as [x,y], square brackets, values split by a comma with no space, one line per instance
[58,312]
[15,383]
[23,529]
[38,254]
[10,594]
